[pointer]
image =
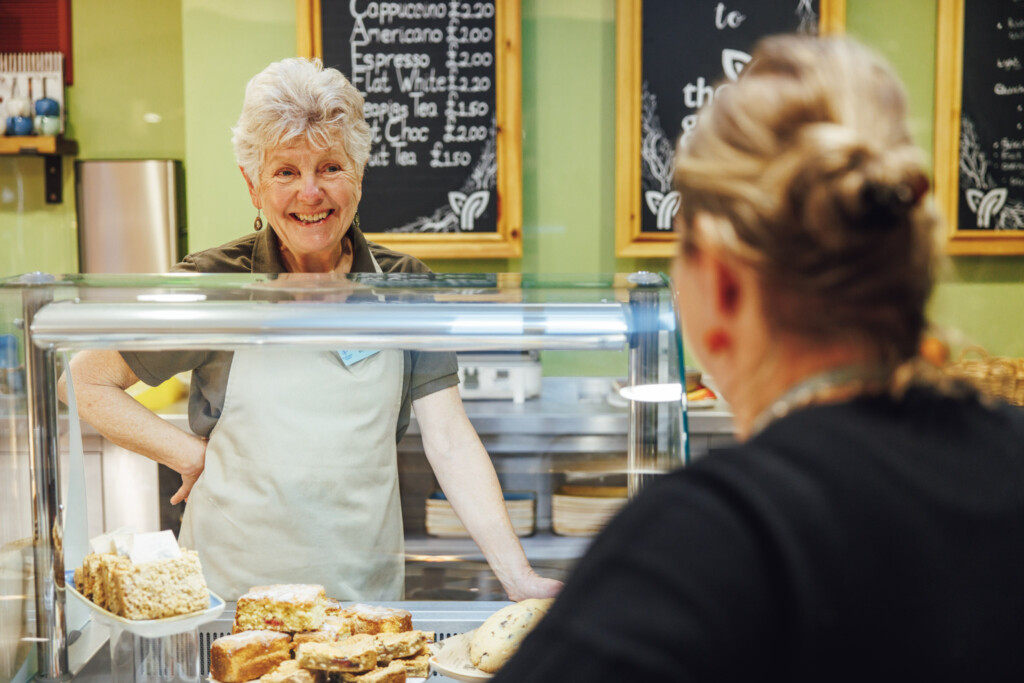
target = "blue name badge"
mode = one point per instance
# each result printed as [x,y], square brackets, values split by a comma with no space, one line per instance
[353,357]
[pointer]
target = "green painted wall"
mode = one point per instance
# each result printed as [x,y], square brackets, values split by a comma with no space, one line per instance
[187,62]
[126,103]
[226,42]
[35,235]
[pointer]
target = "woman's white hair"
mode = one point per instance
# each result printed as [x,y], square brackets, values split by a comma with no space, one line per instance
[299,99]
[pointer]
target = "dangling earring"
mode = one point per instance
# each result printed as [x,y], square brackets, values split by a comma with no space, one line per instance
[716,341]
[355,219]
[257,224]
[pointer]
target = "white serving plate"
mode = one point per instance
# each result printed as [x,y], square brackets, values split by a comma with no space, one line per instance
[451,659]
[148,628]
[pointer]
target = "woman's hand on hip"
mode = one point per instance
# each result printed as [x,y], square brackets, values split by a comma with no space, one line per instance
[190,473]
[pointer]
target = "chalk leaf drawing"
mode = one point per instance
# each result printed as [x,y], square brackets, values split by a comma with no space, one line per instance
[468,208]
[986,204]
[733,62]
[991,205]
[808,18]
[664,206]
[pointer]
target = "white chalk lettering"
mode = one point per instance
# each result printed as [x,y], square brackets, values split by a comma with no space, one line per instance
[725,19]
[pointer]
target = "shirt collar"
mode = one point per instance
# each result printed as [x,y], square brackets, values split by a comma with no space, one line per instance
[362,262]
[266,253]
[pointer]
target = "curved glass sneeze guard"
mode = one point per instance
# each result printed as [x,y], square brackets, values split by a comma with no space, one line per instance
[633,324]
[414,311]
[629,318]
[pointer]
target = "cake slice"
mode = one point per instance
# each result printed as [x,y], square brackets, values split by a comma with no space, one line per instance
[281,607]
[392,673]
[159,589]
[103,582]
[417,666]
[332,630]
[355,654]
[395,645]
[83,581]
[290,672]
[374,619]
[244,656]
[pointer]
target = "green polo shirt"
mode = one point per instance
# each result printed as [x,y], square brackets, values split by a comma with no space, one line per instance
[259,252]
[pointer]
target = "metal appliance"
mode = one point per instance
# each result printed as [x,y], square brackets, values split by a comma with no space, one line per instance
[130,215]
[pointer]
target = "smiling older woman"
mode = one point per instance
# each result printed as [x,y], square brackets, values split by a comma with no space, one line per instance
[291,470]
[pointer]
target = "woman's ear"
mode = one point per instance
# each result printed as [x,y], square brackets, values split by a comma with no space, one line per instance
[724,277]
[253,192]
[727,286]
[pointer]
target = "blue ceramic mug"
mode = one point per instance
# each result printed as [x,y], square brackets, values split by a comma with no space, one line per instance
[19,125]
[47,106]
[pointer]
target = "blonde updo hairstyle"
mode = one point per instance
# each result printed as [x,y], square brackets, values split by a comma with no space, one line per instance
[807,171]
[297,99]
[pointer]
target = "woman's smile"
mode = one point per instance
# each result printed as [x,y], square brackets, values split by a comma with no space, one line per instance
[312,218]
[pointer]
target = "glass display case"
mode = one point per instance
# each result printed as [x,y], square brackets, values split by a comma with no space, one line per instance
[574,383]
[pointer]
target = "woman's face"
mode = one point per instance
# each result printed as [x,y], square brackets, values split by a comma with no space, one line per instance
[309,196]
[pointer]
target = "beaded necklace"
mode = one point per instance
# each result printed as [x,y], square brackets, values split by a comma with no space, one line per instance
[824,387]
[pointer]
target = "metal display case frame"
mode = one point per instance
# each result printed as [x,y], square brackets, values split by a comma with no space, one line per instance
[634,312]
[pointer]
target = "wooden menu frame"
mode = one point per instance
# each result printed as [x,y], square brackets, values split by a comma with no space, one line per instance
[507,241]
[949,75]
[630,241]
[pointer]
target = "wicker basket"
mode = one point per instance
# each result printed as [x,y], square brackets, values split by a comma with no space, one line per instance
[993,375]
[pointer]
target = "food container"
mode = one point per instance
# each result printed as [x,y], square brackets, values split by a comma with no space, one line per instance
[444,523]
[584,510]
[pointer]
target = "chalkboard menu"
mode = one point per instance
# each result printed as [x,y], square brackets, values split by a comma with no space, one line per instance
[443,175]
[673,56]
[988,215]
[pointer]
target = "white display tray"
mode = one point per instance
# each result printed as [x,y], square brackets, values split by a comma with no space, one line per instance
[148,628]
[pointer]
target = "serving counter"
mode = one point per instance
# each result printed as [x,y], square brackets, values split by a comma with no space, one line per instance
[596,333]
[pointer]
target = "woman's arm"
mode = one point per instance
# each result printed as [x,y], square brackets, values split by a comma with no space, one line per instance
[101,378]
[467,478]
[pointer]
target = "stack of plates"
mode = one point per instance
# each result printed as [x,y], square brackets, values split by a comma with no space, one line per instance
[584,510]
[442,520]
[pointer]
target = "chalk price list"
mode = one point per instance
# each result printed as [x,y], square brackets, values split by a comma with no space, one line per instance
[427,72]
[1009,88]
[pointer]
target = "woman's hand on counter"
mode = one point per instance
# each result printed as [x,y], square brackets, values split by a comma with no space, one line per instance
[190,473]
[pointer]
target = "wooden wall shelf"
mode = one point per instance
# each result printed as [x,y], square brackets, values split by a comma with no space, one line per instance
[38,144]
[53,149]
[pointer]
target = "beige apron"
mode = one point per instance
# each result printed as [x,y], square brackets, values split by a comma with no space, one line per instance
[301,477]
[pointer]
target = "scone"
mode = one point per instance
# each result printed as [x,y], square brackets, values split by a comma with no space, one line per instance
[497,639]
[281,607]
[244,656]
[352,655]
